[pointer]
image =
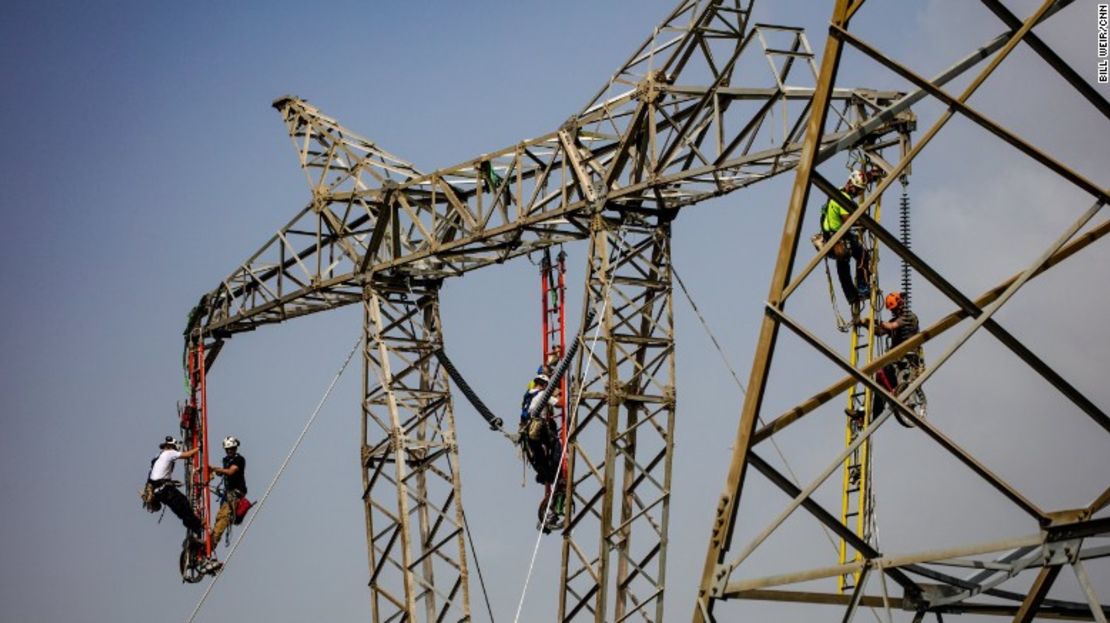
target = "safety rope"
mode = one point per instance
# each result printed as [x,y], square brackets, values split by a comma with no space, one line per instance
[281,469]
[842,325]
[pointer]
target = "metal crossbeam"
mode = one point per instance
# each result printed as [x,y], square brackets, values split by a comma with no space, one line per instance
[673,127]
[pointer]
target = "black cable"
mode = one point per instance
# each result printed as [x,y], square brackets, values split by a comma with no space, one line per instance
[477,565]
[495,423]
[561,367]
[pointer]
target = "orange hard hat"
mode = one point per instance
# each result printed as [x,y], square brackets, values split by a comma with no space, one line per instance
[894,299]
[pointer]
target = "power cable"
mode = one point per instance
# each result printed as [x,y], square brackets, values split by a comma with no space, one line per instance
[477,564]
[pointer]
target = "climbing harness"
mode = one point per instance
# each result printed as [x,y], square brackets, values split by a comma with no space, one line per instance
[149,496]
[905,372]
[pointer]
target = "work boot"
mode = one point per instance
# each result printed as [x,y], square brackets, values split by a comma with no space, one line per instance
[552,523]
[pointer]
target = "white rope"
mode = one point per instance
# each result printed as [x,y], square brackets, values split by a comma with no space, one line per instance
[262,500]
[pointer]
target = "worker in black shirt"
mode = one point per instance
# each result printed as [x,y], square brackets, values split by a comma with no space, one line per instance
[234,472]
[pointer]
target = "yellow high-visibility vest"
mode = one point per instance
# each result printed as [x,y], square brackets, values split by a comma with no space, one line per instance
[834,216]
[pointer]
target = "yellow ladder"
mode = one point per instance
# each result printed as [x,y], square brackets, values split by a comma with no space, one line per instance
[855,504]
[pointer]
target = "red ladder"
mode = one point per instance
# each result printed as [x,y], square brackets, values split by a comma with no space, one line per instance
[194,432]
[553,289]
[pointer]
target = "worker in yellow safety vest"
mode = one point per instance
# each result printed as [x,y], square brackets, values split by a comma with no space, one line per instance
[850,246]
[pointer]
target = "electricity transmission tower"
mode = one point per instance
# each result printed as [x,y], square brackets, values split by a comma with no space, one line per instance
[712,102]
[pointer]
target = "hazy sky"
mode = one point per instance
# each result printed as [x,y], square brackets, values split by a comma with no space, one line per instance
[145,164]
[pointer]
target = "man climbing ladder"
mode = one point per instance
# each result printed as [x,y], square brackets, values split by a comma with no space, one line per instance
[897,375]
[850,247]
[543,421]
[540,438]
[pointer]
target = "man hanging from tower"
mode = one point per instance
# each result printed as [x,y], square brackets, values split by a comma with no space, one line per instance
[164,489]
[233,491]
[541,443]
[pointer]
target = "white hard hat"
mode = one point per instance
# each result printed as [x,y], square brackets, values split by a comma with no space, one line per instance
[170,442]
[857,179]
[230,442]
[542,378]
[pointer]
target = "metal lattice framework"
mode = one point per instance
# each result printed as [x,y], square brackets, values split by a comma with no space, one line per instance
[410,468]
[673,127]
[1057,538]
[615,539]
[710,103]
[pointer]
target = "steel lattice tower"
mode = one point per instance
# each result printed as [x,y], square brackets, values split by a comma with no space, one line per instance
[677,124]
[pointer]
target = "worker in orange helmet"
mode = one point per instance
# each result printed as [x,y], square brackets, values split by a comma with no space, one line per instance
[902,326]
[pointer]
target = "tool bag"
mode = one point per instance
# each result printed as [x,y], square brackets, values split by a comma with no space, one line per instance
[242,507]
[150,500]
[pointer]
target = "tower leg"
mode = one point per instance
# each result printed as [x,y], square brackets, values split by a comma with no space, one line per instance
[621,441]
[410,476]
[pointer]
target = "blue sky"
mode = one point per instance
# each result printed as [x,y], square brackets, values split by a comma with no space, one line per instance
[144,163]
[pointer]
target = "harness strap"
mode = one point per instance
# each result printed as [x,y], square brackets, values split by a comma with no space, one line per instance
[159,485]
